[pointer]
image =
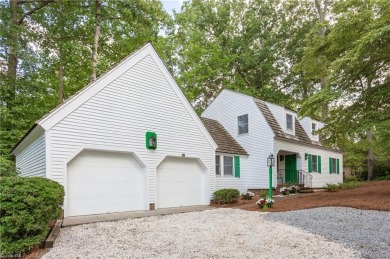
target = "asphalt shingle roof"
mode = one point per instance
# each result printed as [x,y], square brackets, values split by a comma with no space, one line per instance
[300,133]
[226,143]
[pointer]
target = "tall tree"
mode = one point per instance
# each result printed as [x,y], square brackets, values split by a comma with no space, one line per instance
[356,50]
[96,36]
[322,11]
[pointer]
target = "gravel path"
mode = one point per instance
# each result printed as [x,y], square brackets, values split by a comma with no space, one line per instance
[366,231]
[219,233]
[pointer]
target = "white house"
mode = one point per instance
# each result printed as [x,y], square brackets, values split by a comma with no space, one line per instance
[129,141]
[263,128]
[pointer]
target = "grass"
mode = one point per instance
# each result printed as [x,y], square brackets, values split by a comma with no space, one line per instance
[330,187]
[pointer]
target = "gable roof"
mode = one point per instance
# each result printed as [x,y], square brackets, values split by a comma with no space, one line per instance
[226,143]
[300,134]
[75,101]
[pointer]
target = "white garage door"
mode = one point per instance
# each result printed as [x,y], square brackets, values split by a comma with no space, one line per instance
[104,182]
[180,182]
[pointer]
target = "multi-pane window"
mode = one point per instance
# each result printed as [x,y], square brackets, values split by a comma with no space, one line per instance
[289,121]
[334,165]
[243,124]
[218,165]
[314,162]
[228,165]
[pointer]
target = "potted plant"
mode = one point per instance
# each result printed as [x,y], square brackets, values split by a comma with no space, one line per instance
[284,191]
[265,203]
[247,195]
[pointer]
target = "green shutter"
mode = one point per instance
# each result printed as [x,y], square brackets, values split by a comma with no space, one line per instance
[310,165]
[237,166]
[338,166]
[330,165]
[319,164]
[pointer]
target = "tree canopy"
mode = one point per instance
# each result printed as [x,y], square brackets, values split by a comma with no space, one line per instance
[328,59]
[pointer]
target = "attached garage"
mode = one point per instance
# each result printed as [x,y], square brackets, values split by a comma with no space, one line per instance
[180,182]
[104,182]
[105,144]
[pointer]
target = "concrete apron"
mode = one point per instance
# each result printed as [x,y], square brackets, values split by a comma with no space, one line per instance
[78,220]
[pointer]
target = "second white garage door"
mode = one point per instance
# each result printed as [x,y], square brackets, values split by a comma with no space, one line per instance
[180,182]
[104,182]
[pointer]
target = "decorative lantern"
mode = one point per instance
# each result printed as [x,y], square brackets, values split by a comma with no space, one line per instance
[151,140]
[271,160]
[270,164]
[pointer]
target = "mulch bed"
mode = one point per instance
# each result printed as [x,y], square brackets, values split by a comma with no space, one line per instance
[369,196]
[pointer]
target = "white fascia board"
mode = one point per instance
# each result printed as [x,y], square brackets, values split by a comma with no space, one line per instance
[85,94]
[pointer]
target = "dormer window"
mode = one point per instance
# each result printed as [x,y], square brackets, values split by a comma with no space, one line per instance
[289,122]
[313,128]
[243,124]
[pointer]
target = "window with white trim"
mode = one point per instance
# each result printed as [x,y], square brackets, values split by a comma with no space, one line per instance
[243,124]
[289,122]
[228,165]
[218,165]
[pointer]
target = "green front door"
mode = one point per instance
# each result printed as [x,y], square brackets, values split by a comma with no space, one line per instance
[291,168]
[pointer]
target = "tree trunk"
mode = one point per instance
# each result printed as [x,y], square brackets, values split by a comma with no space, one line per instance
[12,54]
[61,70]
[98,18]
[370,157]
[322,13]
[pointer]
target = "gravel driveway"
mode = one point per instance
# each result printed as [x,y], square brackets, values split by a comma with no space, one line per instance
[219,233]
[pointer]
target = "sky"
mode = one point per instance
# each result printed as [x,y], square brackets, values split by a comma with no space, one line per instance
[172,4]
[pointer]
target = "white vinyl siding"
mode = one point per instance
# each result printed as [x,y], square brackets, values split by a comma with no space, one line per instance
[258,142]
[280,114]
[319,179]
[117,118]
[32,161]
[308,125]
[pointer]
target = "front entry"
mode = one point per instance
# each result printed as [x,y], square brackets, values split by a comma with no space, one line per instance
[291,168]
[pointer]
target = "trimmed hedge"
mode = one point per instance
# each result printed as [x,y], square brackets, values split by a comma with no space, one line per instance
[224,196]
[26,207]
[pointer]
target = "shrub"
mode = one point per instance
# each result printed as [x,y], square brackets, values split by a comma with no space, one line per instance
[264,194]
[350,185]
[224,196]
[385,177]
[7,167]
[351,178]
[331,187]
[382,178]
[27,206]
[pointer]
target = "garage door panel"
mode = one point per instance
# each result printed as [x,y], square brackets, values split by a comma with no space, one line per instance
[180,182]
[102,190]
[97,173]
[95,206]
[103,182]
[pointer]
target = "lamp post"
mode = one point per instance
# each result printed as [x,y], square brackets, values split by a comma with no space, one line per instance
[270,164]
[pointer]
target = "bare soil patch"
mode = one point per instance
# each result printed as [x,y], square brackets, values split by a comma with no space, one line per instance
[369,196]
